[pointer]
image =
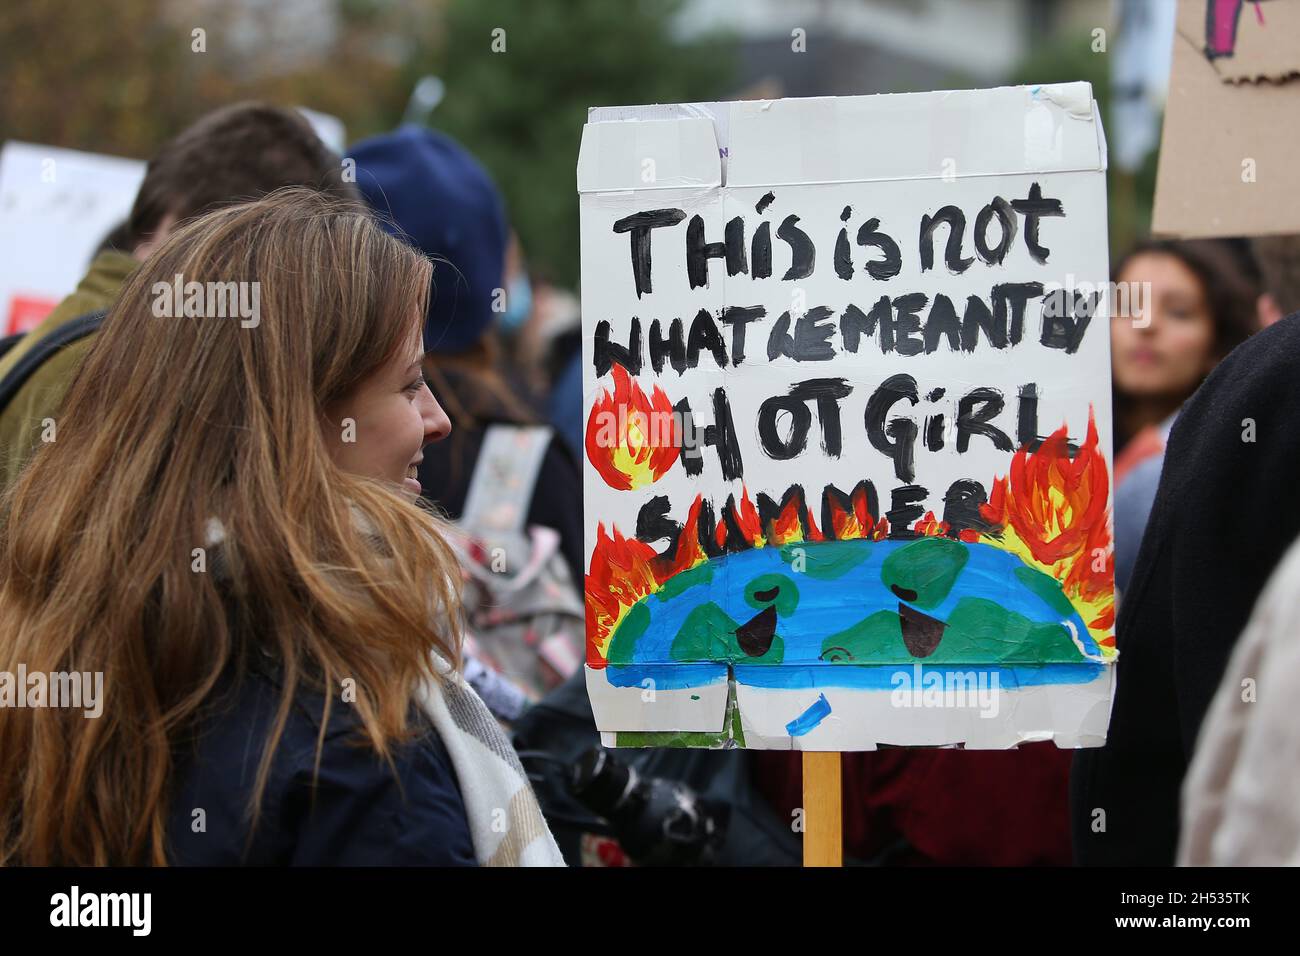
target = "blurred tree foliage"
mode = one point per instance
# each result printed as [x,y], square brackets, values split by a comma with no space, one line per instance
[1069,57]
[78,75]
[521,111]
[123,78]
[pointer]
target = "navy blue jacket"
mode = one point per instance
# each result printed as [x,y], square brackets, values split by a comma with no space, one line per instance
[356,812]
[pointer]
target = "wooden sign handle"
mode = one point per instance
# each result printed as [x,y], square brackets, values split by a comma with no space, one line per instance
[823,819]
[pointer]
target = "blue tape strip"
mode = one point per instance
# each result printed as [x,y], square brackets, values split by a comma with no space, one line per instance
[810,718]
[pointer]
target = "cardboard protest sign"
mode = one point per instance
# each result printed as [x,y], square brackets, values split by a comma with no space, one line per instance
[1227,158]
[847,406]
[56,207]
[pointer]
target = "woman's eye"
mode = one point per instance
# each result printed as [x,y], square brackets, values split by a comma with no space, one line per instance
[416,385]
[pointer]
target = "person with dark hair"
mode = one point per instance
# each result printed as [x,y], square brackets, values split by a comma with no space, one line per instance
[119,237]
[1179,307]
[232,154]
[235,153]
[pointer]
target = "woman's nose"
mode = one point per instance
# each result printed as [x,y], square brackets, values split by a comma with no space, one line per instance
[437,425]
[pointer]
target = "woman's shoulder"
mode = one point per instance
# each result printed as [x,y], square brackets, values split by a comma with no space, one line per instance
[349,807]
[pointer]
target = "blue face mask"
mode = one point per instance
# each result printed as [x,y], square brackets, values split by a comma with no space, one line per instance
[519,302]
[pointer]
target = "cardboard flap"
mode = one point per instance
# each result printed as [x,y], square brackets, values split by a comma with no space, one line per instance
[962,133]
[989,718]
[652,705]
[829,139]
[649,154]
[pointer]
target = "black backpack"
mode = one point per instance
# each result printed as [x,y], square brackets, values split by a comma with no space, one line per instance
[60,338]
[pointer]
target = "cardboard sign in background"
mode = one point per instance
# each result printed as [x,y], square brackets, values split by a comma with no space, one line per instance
[891,522]
[1228,149]
[56,207]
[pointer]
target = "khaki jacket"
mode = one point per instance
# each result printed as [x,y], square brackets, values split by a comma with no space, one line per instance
[40,397]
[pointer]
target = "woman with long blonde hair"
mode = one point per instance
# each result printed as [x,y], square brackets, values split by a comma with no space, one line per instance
[226,529]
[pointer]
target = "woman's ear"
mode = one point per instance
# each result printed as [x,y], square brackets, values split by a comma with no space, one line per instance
[1267,310]
[146,246]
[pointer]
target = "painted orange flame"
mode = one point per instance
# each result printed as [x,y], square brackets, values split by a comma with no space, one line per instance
[860,523]
[1054,504]
[620,575]
[632,440]
[814,532]
[1053,512]
[747,519]
[931,527]
[689,550]
[787,527]
[744,529]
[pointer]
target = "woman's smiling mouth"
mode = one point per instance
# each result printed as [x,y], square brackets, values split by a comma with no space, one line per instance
[412,478]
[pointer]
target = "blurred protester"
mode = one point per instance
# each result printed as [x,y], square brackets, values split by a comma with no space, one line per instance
[559,324]
[543,341]
[1224,514]
[238,152]
[516,324]
[942,806]
[1239,801]
[565,405]
[120,238]
[270,558]
[555,336]
[1278,258]
[438,197]
[1187,305]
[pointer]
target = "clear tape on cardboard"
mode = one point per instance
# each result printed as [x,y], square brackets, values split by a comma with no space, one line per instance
[1000,132]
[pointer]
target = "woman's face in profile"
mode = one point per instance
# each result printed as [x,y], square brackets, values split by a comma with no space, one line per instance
[1164,349]
[381,428]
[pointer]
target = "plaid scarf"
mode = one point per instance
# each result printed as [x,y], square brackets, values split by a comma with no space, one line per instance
[505,820]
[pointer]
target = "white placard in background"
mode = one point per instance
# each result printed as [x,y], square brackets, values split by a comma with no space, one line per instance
[56,207]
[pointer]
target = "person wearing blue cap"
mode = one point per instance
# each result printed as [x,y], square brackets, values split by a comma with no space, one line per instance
[430,191]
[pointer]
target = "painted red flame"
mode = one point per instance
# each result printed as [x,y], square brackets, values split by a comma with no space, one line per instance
[1058,508]
[631,440]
